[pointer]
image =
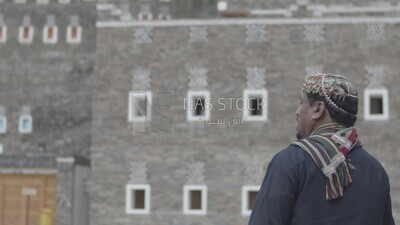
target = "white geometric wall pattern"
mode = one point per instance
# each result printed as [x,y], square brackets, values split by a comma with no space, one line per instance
[392,14]
[314,33]
[141,79]
[254,174]
[375,32]
[256,78]
[375,76]
[195,173]
[315,69]
[197,77]
[255,33]
[125,12]
[143,35]
[138,172]
[198,34]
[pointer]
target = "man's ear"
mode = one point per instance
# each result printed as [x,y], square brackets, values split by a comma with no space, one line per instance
[318,110]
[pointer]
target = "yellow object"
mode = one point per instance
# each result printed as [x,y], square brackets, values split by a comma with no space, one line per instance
[46,217]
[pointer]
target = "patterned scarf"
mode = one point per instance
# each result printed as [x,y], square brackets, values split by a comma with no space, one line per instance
[329,146]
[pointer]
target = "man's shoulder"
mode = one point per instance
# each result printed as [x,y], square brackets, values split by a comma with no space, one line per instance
[291,155]
[361,157]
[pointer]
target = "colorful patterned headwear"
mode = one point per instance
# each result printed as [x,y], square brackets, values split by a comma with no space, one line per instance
[334,88]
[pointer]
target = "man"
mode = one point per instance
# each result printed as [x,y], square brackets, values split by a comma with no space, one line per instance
[326,177]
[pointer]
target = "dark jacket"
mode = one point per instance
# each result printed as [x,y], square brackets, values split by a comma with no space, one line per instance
[293,192]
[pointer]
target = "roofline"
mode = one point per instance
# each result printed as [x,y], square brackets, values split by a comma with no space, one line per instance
[258,21]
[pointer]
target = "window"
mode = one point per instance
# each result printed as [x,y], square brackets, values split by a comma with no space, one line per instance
[137,199]
[255,104]
[195,199]
[25,34]
[3,124]
[145,16]
[50,31]
[25,124]
[198,105]
[164,13]
[26,31]
[145,12]
[162,16]
[50,34]
[74,31]
[64,1]
[249,195]
[1,148]
[139,106]
[376,104]
[3,33]
[74,34]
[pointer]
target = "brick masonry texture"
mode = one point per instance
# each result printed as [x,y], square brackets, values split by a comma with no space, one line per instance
[225,151]
[78,96]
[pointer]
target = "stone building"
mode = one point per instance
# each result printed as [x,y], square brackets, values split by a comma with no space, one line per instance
[46,75]
[153,161]
[125,100]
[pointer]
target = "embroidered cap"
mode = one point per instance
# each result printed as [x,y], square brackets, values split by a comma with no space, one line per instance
[334,88]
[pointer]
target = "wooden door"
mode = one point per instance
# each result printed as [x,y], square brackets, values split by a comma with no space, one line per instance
[23,196]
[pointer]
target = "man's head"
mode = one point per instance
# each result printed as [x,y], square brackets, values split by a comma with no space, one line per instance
[326,98]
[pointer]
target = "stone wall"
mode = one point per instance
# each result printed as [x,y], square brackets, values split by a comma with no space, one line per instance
[228,153]
[53,80]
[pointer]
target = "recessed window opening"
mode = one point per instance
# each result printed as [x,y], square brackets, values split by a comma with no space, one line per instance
[376,105]
[199,106]
[256,106]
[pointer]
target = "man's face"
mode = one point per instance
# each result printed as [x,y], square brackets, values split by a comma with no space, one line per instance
[304,117]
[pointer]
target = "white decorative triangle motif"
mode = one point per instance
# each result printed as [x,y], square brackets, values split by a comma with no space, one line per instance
[143,35]
[375,76]
[195,173]
[138,172]
[256,78]
[140,79]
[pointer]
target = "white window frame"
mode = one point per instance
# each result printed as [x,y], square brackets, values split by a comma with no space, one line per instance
[3,130]
[140,94]
[46,32]
[245,200]
[79,35]
[190,110]
[21,119]
[21,35]
[247,95]
[128,198]
[142,15]
[162,16]
[370,92]
[3,39]
[186,199]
